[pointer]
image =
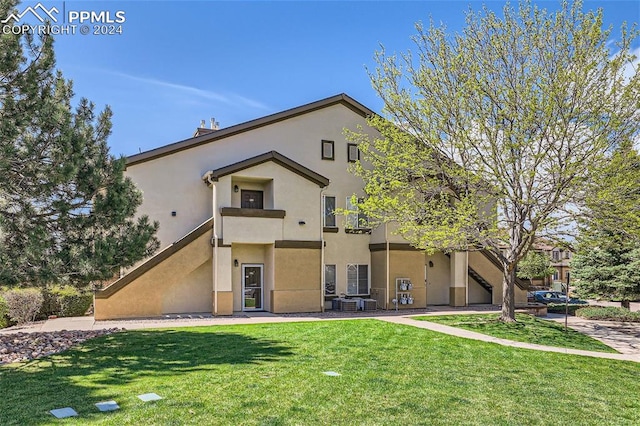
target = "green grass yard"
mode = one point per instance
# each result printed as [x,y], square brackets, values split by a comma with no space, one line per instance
[527,329]
[271,374]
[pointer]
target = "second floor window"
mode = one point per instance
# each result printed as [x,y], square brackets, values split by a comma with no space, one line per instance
[251,199]
[355,219]
[329,211]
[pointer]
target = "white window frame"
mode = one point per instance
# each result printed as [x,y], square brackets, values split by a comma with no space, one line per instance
[357,267]
[335,278]
[354,219]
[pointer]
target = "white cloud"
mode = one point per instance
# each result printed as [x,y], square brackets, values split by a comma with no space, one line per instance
[227,98]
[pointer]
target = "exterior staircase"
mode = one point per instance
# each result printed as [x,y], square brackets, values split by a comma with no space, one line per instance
[478,278]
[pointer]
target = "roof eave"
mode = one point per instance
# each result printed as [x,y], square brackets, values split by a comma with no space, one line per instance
[247,126]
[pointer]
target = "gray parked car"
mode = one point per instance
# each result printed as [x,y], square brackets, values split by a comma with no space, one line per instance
[547,296]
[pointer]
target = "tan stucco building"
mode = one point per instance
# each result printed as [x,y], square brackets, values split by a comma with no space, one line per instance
[247,222]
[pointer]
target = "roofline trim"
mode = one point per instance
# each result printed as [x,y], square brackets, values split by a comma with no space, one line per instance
[193,142]
[274,156]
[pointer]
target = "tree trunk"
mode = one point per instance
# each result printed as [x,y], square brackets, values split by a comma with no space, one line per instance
[625,304]
[508,294]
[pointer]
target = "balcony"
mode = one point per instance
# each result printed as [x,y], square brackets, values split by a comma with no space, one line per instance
[252,226]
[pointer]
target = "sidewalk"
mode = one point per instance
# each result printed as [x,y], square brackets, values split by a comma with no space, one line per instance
[621,336]
[194,320]
[458,332]
[624,337]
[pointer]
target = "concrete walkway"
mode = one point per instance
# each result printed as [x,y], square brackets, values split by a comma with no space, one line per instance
[621,336]
[624,337]
[459,332]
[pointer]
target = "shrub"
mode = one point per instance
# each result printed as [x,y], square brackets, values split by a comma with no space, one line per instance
[4,310]
[71,301]
[24,304]
[608,313]
[65,301]
[559,308]
[50,305]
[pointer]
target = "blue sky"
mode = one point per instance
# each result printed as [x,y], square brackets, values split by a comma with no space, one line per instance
[179,62]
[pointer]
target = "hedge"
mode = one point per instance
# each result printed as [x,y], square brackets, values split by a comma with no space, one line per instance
[4,311]
[65,301]
[608,313]
[559,308]
[17,305]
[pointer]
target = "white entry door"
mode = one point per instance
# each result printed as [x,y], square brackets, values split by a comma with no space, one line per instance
[252,287]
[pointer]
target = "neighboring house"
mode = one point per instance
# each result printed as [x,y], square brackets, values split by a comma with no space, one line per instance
[560,258]
[273,185]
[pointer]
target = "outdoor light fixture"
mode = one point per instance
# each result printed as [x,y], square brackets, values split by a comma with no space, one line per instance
[430,264]
[235,188]
[235,262]
[174,213]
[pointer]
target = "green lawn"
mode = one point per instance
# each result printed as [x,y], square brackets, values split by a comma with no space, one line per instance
[527,329]
[271,374]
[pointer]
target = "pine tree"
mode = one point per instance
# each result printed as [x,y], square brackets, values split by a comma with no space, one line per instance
[608,259]
[67,213]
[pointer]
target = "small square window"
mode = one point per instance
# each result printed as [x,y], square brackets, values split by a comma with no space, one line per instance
[353,153]
[327,150]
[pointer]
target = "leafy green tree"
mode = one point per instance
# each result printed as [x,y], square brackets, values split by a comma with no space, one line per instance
[534,265]
[66,210]
[488,137]
[608,259]
[608,271]
[613,199]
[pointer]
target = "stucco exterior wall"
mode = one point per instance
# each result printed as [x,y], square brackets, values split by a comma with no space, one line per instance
[477,293]
[283,190]
[407,264]
[379,288]
[297,280]
[493,275]
[342,249]
[292,277]
[299,138]
[185,275]
[438,279]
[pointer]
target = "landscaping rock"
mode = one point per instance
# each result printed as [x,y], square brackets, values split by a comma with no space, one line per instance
[20,347]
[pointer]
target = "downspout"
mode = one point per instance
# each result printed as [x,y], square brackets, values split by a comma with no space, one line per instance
[322,249]
[466,275]
[214,263]
[388,290]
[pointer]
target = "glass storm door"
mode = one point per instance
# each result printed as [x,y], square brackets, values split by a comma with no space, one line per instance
[251,287]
